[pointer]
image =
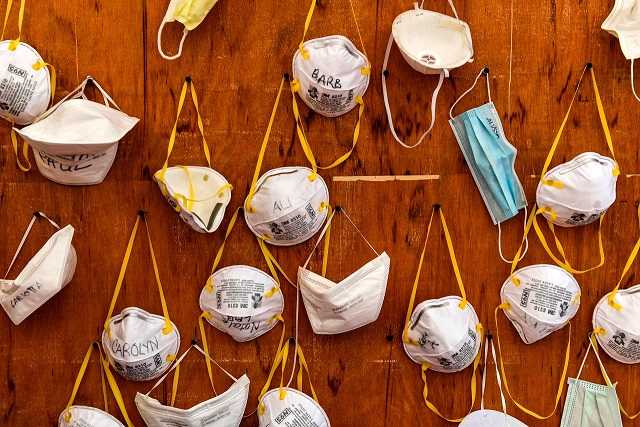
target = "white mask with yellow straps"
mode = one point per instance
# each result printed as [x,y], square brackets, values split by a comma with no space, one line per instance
[286,205]
[139,345]
[224,410]
[443,334]
[356,301]
[83,416]
[46,274]
[199,194]
[331,76]
[75,142]
[431,43]
[27,85]
[580,191]
[538,300]
[240,300]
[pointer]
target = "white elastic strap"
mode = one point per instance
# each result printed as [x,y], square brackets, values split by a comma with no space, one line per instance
[475,82]
[358,230]
[212,360]
[450,4]
[633,84]
[26,234]
[295,351]
[526,241]
[484,371]
[434,98]
[164,55]
[495,363]
[175,365]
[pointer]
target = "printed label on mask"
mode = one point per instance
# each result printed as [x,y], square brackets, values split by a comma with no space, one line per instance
[295,415]
[236,293]
[546,297]
[16,90]
[460,359]
[329,102]
[625,346]
[141,370]
[580,218]
[294,226]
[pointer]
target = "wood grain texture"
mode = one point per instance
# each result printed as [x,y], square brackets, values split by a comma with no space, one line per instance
[236,58]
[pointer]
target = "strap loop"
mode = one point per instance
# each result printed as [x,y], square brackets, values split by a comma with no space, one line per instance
[14,43]
[611,298]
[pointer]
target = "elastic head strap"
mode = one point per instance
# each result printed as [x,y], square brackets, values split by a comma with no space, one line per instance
[416,280]
[524,242]
[188,84]
[630,260]
[205,344]
[25,164]
[473,386]
[454,262]
[177,55]
[307,22]
[14,43]
[25,235]
[326,234]
[303,365]
[356,135]
[485,72]
[564,263]
[113,385]
[263,148]
[506,382]
[76,385]
[302,137]
[281,358]
[210,286]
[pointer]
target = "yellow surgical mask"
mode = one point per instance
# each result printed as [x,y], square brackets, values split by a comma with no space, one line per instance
[189,13]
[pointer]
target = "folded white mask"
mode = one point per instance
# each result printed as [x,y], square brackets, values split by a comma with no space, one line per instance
[540,299]
[615,317]
[285,405]
[623,22]
[442,334]
[189,13]
[27,87]
[431,43]
[223,410]
[199,194]
[139,345]
[50,270]
[87,416]
[489,417]
[241,300]
[288,207]
[355,301]
[75,142]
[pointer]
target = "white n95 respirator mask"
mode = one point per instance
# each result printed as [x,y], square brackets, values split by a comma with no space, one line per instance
[224,410]
[199,194]
[26,86]
[87,416]
[443,334]
[189,13]
[623,22]
[75,142]
[139,345]
[355,301]
[431,43]
[288,406]
[46,274]
[241,300]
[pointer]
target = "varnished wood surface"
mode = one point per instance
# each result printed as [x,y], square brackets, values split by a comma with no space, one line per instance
[236,58]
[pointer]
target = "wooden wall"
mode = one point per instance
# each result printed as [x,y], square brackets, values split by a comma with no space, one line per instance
[237,57]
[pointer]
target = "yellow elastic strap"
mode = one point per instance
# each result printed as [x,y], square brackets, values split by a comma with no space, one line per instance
[553,183]
[325,248]
[632,257]
[174,385]
[454,262]
[307,22]
[603,121]
[272,262]
[205,346]
[527,229]
[303,364]
[564,263]
[281,358]
[412,299]
[188,84]
[302,137]
[210,285]
[123,269]
[263,148]
[168,326]
[40,64]
[14,43]
[356,135]
[25,152]
[506,383]
[473,387]
[116,391]
[76,385]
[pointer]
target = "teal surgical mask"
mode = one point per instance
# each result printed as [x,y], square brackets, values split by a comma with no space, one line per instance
[490,157]
[589,404]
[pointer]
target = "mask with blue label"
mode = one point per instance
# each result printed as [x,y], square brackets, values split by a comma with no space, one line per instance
[490,157]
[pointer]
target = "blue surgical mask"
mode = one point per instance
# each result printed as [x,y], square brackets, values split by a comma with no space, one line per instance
[490,157]
[589,404]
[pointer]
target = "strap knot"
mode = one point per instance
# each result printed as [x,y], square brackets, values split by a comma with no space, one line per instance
[599,331]
[611,298]
[209,287]
[271,292]
[38,65]
[359,100]
[365,71]
[312,176]
[171,357]
[517,282]
[463,304]
[168,328]
[303,51]
[505,306]
[616,171]
[13,44]
[295,85]
[553,183]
